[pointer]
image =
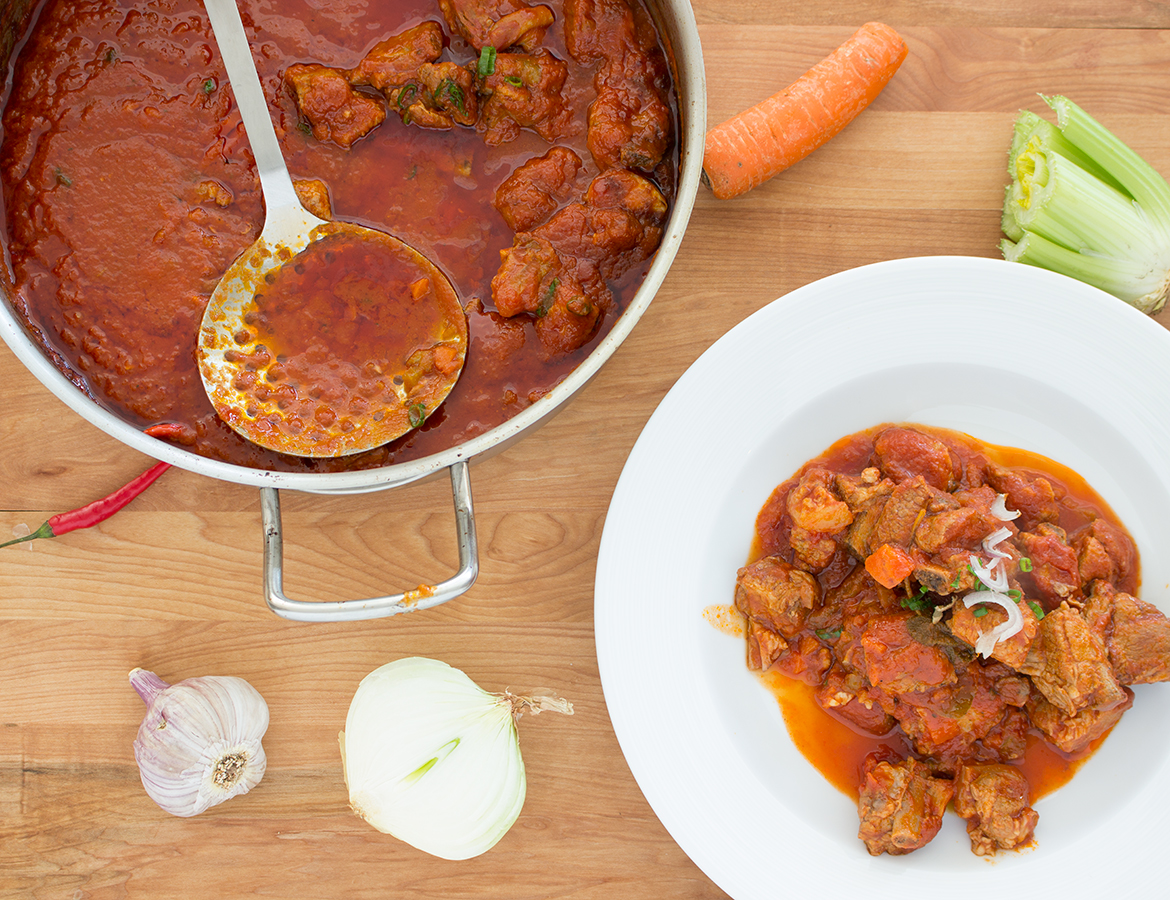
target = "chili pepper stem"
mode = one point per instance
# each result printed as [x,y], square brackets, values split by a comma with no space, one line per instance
[45,531]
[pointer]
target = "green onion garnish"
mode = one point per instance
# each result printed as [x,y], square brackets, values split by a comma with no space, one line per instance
[487,62]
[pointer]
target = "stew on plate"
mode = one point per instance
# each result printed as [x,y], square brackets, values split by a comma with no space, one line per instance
[967,611]
[529,149]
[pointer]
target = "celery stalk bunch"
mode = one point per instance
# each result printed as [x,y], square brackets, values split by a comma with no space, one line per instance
[1084,204]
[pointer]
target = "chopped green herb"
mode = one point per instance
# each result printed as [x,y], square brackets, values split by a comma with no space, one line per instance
[209,85]
[1025,564]
[407,96]
[448,88]
[547,300]
[579,306]
[958,582]
[111,56]
[979,612]
[413,171]
[1036,608]
[828,635]
[514,80]
[417,415]
[487,62]
[304,127]
[62,178]
[917,604]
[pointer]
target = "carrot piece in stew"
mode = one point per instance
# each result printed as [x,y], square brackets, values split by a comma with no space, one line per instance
[760,142]
[889,565]
[94,513]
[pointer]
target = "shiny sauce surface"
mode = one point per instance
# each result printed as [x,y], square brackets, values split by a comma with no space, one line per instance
[129,188]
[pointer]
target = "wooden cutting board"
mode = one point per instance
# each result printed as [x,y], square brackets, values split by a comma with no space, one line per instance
[173,582]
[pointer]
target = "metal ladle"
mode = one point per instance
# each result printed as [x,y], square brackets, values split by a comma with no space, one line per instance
[269,366]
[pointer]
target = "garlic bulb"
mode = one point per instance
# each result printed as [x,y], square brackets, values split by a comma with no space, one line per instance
[433,759]
[199,743]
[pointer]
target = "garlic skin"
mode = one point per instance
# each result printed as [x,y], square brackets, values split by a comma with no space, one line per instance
[199,743]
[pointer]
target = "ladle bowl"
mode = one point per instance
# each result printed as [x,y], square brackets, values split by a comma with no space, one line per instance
[323,338]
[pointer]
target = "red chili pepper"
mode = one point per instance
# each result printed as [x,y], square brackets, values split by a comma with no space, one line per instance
[98,511]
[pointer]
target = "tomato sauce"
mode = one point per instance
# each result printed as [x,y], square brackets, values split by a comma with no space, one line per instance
[129,189]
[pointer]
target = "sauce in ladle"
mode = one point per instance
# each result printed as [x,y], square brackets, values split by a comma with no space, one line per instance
[349,341]
[323,338]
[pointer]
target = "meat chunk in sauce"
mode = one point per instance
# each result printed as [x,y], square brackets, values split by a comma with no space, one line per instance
[900,805]
[994,801]
[1136,633]
[776,594]
[629,123]
[1075,733]
[905,453]
[501,24]
[1030,494]
[1055,569]
[618,225]
[557,272]
[534,191]
[904,524]
[897,662]
[524,91]
[1104,553]
[393,62]
[334,110]
[1069,665]
[442,95]
[970,623]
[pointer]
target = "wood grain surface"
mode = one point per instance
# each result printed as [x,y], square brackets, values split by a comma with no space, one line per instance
[173,582]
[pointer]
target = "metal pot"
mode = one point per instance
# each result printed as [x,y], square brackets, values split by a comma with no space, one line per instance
[676,24]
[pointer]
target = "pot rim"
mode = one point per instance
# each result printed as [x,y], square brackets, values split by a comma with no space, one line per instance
[690,85]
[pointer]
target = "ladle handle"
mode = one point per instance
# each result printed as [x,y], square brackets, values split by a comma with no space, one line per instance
[241,68]
[376,607]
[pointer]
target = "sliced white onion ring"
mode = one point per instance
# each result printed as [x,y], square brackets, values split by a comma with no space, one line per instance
[1013,626]
[1000,511]
[992,541]
[993,575]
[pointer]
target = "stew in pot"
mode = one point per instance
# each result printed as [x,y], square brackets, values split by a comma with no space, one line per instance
[528,149]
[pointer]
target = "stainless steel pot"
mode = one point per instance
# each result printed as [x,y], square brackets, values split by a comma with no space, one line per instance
[676,24]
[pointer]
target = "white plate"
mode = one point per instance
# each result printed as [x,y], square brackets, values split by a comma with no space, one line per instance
[1008,353]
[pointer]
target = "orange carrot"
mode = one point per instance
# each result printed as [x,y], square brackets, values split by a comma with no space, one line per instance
[750,148]
[889,565]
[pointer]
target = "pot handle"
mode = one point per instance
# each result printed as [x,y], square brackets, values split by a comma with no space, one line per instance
[423,597]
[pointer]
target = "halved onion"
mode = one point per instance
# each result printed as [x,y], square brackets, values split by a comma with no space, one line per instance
[433,759]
